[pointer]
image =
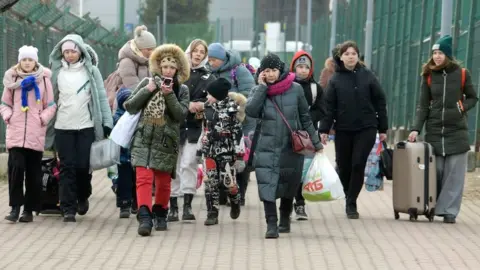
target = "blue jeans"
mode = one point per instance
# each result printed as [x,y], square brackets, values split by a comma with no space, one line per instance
[126,191]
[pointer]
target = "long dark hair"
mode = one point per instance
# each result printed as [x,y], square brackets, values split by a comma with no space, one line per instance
[430,65]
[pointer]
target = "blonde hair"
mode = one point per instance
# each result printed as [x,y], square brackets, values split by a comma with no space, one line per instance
[197,42]
[18,67]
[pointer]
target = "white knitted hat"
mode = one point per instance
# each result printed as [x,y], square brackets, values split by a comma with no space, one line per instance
[28,52]
[144,39]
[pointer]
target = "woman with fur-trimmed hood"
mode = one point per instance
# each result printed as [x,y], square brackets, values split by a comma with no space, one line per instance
[220,146]
[163,102]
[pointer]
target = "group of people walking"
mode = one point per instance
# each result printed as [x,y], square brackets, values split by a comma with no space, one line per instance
[199,106]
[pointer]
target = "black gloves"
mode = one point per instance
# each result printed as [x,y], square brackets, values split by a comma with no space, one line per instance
[106,131]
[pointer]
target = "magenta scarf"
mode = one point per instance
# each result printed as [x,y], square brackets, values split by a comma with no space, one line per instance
[281,86]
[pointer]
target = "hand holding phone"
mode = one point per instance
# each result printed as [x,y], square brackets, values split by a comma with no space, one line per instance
[167,84]
[261,78]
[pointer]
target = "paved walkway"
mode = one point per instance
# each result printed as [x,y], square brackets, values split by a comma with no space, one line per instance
[100,240]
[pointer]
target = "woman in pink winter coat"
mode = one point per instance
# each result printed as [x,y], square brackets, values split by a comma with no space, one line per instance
[27,106]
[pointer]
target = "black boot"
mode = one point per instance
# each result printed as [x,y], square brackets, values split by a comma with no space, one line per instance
[234,208]
[449,219]
[173,214]
[243,179]
[125,209]
[83,206]
[212,218]
[69,217]
[134,208]
[14,214]
[272,228]
[160,215]
[222,196]
[351,210]
[144,217]
[27,216]
[187,207]
[284,224]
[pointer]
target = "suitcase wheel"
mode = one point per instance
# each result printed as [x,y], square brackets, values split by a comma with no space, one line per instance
[431,215]
[413,214]
[397,215]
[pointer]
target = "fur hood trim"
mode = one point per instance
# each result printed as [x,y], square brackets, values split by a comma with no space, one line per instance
[183,71]
[241,100]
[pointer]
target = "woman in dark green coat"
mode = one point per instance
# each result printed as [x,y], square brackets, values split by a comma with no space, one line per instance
[446,95]
[163,103]
[277,168]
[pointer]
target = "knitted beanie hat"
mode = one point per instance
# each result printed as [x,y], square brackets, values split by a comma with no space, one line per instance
[28,52]
[144,39]
[444,44]
[216,50]
[70,45]
[303,60]
[219,88]
[271,61]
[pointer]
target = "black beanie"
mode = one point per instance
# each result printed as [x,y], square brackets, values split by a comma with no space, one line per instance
[271,61]
[219,88]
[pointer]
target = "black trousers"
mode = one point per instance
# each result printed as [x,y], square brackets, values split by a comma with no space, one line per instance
[126,185]
[242,180]
[270,208]
[299,200]
[352,149]
[73,149]
[25,164]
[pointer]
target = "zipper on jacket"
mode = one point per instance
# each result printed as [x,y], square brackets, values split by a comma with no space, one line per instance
[90,112]
[25,130]
[150,148]
[443,110]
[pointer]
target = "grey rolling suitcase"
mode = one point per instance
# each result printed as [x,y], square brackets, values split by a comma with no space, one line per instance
[414,180]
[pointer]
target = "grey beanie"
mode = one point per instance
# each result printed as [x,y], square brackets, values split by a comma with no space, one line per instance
[144,39]
[303,60]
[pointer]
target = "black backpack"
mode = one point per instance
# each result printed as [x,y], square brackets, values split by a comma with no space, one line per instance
[50,202]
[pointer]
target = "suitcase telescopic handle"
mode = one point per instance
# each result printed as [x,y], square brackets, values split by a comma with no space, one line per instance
[402,145]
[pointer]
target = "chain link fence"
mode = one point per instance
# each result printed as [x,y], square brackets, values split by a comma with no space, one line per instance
[404,33]
[31,22]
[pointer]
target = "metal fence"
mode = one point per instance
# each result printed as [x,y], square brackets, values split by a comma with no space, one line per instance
[404,32]
[29,22]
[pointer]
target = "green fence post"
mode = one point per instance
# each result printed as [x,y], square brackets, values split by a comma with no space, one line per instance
[394,96]
[408,86]
[418,78]
[218,29]
[433,35]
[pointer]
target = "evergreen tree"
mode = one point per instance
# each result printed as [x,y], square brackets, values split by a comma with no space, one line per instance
[186,20]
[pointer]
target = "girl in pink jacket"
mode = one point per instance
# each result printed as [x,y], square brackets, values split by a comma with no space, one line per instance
[27,106]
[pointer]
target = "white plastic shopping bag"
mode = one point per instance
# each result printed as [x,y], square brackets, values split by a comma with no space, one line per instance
[122,132]
[307,161]
[322,182]
[103,154]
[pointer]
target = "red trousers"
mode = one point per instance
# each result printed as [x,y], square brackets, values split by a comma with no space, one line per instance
[144,187]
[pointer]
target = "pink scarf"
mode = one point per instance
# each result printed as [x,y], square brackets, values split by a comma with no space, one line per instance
[281,86]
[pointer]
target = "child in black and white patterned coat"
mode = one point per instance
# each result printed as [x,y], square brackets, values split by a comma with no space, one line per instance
[221,146]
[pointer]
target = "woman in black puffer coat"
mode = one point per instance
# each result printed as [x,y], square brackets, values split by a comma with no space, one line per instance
[356,101]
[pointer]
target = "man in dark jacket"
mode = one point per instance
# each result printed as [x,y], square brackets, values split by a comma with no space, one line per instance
[302,65]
